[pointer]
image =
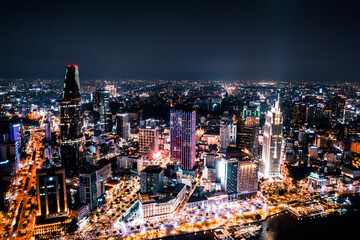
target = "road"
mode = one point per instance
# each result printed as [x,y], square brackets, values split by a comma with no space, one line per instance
[20,199]
[115,207]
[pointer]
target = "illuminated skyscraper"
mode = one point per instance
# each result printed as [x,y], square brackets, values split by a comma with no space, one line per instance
[47,130]
[72,139]
[101,104]
[271,153]
[247,178]
[227,172]
[122,125]
[183,138]
[51,192]
[151,179]
[247,135]
[227,134]
[148,139]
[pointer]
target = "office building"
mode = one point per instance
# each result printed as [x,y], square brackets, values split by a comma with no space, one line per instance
[227,134]
[122,125]
[247,136]
[248,178]
[101,104]
[183,138]
[51,192]
[156,208]
[148,139]
[227,172]
[9,157]
[72,139]
[270,164]
[92,181]
[151,179]
[111,89]
[47,130]
[251,111]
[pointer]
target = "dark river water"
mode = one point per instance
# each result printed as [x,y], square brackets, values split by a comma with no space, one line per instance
[286,226]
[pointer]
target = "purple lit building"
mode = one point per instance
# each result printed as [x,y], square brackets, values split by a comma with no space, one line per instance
[183,138]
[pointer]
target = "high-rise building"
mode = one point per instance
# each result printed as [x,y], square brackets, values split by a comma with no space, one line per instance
[248,179]
[101,104]
[298,112]
[47,130]
[51,192]
[92,183]
[310,114]
[10,145]
[111,89]
[15,137]
[15,132]
[9,155]
[183,138]
[122,125]
[247,136]
[151,179]
[227,134]
[148,139]
[227,172]
[72,140]
[270,165]
[251,111]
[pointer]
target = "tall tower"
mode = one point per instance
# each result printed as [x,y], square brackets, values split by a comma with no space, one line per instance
[101,103]
[183,138]
[122,125]
[47,130]
[72,140]
[271,155]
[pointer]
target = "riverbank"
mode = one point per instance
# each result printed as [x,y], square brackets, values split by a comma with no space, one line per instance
[285,226]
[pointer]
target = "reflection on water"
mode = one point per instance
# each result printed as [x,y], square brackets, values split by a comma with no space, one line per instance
[285,226]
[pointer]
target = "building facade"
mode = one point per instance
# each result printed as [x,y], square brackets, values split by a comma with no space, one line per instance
[148,139]
[72,140]
[51,192]
[227,170]
[101,104]
[270,164]
[183,138]
[227,134]
[151,179]
[247,178]
[122,125]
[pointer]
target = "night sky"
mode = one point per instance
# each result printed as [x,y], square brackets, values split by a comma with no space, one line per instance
[220,40]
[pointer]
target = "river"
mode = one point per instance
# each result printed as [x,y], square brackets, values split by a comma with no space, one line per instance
[285,226]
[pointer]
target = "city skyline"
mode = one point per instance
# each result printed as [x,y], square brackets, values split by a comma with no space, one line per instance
[179,119]
[155,159]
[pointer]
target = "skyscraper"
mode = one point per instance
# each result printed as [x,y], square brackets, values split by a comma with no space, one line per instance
[270,163]
[227,134]
[122,125]
[247,135]
[248,179]
[227,171]
[51,192]
[47,130]
[183,138]
[151,179]
[101,104]
[148,139]
[71,136]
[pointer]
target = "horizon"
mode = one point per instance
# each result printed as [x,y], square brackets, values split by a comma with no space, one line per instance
[297,40]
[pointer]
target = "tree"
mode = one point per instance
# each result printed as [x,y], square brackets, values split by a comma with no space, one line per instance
[71,227]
